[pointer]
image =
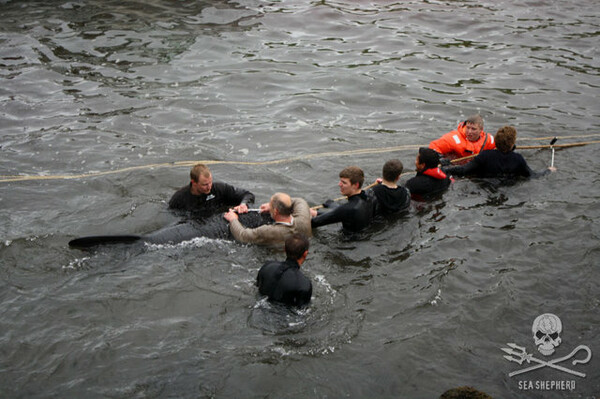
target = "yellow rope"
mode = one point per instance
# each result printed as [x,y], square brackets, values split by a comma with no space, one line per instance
[16,178]
[558,137]
[530,147]
[210,162]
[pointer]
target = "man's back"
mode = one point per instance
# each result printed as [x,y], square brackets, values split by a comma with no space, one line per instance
[391,200]
[284,282]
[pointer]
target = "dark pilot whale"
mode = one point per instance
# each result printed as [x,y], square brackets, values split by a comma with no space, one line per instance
[212,227]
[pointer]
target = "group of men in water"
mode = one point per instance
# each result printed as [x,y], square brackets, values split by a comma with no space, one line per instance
[292,220]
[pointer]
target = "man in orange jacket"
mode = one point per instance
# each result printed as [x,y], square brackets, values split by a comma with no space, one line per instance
[468,139]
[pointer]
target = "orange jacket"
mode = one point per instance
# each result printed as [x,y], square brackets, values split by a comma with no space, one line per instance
[455,143]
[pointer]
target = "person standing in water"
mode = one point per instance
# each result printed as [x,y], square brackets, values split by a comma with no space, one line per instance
[283,281]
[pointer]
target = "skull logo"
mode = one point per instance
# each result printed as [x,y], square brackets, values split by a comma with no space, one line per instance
[546,333]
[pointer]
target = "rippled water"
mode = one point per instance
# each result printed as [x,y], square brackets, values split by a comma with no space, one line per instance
[111,101]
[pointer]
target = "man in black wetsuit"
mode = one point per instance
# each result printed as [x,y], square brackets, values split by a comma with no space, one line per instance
[430,180]
[204,198]
[283,281]
[357,213]
[390,197]
[501,162]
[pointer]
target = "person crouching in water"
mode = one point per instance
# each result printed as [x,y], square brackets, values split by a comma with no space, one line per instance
[283,281]
[430,180]
[501,162]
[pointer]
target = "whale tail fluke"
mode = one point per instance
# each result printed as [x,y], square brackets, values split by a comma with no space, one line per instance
[92,241]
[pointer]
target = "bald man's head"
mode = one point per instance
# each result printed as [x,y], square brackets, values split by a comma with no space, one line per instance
[282,203]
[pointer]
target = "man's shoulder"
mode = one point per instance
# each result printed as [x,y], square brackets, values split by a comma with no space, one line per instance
[291,271]
[411,180]
[488,153]
[382,188]
[300,207]
[490,156]
[220,186]
[180,195]
[295,275]
[299,201]
[270,265]
[422,178]
[183,189]
[517,157]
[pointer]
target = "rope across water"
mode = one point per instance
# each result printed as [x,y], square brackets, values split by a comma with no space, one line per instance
[17,178]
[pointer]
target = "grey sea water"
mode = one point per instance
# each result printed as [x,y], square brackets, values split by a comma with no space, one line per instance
[105,104]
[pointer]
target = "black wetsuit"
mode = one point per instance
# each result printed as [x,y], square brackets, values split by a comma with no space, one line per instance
[423,186]
[390,200]
[221,197]
[493,163]
[355,215]
[284,282]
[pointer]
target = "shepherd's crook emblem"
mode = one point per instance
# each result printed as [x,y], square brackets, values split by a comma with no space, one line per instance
[524,356]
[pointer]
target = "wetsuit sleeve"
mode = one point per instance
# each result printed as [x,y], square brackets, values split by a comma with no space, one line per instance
[267,277]
[528,172]
[330,204]
[333,216]
[306,293]
[535,174]
[301,293]
[247,196]
[463,170]
[231,195]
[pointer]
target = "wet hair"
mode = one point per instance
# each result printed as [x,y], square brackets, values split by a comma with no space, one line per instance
[392,169]
[429,157]
[354,174]
[199,170]
[282,203]
[475,120]
[505,138]
[464,393]
[296,245]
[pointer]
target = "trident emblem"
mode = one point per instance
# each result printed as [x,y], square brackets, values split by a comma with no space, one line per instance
[523,356]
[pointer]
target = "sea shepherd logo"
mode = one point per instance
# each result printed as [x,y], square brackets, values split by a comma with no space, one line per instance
[546,331]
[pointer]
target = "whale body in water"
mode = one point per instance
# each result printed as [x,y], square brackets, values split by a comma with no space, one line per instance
[212,227]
